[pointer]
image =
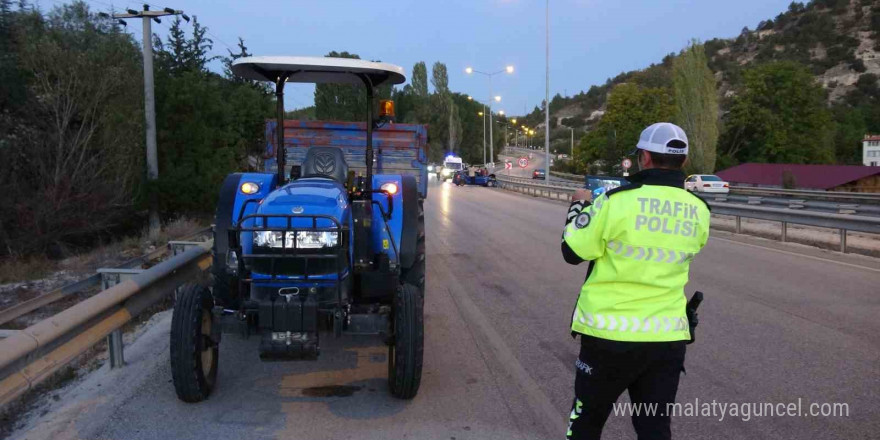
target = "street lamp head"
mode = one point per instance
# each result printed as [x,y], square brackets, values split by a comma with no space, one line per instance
[470,98]
[469,70]
[509,69]
[501,112]
[513,120]
[479,113]
[497,99]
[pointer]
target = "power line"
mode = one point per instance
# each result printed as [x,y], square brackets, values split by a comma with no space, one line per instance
[210,34]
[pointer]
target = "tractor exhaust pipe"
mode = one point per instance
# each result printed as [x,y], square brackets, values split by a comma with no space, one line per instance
[368,83]
[280,156]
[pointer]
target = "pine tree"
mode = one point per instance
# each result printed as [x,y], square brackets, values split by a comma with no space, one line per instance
[696,100]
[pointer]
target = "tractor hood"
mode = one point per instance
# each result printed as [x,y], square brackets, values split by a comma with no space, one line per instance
[308,196]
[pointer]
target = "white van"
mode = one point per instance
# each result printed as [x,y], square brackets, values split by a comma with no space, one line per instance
[451,164]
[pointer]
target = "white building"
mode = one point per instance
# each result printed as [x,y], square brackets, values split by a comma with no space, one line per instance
[871,150]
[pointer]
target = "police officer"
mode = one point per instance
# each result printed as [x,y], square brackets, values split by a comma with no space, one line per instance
[639,240]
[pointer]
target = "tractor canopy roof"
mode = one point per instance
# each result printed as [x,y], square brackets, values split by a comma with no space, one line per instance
[318,70]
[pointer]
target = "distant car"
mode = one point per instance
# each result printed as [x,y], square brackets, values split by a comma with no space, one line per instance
[539,174]
[707,183]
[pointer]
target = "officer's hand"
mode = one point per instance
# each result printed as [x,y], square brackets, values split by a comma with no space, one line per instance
[582,194]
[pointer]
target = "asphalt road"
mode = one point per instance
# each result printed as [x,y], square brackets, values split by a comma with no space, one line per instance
[780,323]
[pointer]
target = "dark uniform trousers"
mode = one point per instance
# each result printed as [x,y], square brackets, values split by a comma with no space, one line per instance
[648,370]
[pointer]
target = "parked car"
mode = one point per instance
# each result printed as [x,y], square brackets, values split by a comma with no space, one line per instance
[539,174]
[707,183]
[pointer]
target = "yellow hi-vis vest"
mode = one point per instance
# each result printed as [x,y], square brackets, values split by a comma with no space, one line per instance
[641,239]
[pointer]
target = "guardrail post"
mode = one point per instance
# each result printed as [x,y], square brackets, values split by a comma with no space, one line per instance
[738,225]
[114,347]
[843,241]
[179,247]
[110,278]
[784,232]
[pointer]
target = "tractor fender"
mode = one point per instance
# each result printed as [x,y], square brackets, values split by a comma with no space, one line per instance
[224,213]
[409,235]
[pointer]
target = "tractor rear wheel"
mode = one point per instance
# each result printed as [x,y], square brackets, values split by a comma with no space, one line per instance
[194,354]
[225,285]
[407,345]
[415,274]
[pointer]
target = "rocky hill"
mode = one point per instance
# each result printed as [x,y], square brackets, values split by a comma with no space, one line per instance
[838,40]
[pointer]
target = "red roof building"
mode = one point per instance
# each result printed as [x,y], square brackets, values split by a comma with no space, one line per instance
[821,177]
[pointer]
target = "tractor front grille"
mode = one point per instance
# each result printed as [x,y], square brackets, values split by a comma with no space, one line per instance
[286,261]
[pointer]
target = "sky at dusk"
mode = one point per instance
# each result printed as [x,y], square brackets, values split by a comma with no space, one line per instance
[590,40]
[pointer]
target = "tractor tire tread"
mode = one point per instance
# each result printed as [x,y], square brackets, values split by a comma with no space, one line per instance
[186,370]
[409,332]
[415,275]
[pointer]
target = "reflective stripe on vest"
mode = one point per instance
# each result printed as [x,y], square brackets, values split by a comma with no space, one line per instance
[656,254]
[654,324]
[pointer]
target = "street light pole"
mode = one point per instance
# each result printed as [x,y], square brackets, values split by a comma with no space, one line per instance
[547,96]
[150,99]
[491,140]
[508,69]
[484,134]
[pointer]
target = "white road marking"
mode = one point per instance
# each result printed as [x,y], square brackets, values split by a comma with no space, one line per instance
[826,260]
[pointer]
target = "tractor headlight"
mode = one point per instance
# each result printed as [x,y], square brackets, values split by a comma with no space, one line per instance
[447,171]
[303,239]
[249,188]
[391,187]
[315,240]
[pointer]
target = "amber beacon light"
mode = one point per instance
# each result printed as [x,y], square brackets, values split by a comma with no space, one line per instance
[386,109]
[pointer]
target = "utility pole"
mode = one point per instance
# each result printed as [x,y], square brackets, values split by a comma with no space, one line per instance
[150,98]
[572,144]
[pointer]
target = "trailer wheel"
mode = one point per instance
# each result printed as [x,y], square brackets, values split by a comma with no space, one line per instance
[405,352]
[194,355]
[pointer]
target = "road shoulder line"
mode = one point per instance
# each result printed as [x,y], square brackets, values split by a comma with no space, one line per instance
[797,254]
[548,415]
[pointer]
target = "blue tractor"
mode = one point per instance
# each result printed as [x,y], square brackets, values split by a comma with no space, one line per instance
[322,247]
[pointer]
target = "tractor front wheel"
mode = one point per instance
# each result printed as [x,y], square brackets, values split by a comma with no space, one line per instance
[194,354]
[407,347]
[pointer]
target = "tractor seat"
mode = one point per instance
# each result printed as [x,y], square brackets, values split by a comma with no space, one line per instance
[326,162]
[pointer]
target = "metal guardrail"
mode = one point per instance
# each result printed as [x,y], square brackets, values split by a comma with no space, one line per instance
[555,183]
[812,194]
[802,204]
[31,355]
[567,176]
[856,197]
[20,309]
[841,222]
